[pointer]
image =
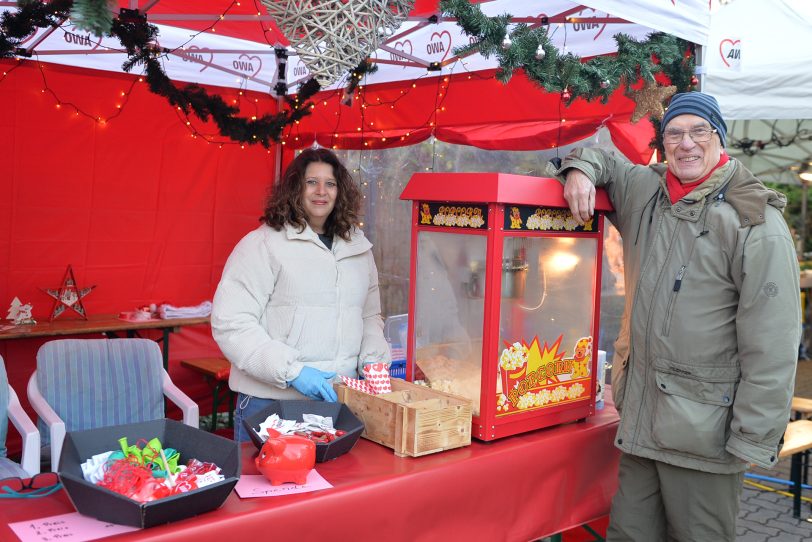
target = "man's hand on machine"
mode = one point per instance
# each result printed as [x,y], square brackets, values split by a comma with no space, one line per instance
[580,195]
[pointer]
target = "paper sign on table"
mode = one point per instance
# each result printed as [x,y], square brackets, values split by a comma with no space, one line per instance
[256,485]
[73,526]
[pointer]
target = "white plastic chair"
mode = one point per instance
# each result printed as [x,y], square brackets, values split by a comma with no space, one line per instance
[89,383]
[12,411]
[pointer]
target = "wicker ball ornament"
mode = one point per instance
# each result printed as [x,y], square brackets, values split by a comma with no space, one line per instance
[332,37]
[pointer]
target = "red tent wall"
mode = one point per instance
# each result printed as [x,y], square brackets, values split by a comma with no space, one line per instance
[136,205]
[469,109]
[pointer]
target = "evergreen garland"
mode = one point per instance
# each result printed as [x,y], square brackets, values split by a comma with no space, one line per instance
[137,37]
[365,67]
[95,16]
[530,49]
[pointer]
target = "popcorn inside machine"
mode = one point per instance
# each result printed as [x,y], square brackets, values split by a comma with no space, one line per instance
[504,298]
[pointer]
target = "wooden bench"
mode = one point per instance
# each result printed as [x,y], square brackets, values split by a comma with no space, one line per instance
[797,442]
[802,407]
[216,371]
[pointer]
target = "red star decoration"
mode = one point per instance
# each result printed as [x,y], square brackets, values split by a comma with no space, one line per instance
[68,296]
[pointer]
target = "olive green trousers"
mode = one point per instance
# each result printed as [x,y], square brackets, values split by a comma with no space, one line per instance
[660,502]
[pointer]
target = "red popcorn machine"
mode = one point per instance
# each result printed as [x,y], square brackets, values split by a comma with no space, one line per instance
[504,298]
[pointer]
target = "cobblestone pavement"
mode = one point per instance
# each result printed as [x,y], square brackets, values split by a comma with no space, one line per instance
[766,515]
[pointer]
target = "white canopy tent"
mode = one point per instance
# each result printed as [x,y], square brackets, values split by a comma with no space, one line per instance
[422,46]
[754,57]
[756,61]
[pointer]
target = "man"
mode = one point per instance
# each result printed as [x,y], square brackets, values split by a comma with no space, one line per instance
[704,364]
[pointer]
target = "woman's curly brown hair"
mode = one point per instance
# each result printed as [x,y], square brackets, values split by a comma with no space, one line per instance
[284,203]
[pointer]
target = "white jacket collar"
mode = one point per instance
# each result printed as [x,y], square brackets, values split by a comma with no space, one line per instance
[358,243]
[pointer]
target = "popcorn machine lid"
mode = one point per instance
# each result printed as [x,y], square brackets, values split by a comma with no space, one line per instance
[492,188]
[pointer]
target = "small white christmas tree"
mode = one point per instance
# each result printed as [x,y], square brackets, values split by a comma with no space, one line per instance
[19,313]
[14,309]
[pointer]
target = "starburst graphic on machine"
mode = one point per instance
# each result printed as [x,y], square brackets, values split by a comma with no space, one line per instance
[534,377]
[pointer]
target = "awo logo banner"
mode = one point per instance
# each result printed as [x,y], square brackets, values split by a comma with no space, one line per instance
[300,70]
[406,47]
[730,50]
[439,45]
[590,28]
[201,55]
[78,38]
[248,64]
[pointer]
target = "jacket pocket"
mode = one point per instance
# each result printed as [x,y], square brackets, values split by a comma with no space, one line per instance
[619,378]
[296,327]
[692,407]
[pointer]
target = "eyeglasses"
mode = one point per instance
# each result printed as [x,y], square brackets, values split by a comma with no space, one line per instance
[39,485]
[697,135]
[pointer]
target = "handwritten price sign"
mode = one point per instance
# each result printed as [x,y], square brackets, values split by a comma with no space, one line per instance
[73,527]
[255,485]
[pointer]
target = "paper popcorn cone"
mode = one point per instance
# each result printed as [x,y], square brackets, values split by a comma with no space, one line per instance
[377,376]
[510,378]
[358,385]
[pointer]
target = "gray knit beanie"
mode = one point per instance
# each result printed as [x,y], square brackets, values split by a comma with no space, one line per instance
[699,104]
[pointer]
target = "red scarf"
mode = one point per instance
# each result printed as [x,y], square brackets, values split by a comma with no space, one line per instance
[677,190]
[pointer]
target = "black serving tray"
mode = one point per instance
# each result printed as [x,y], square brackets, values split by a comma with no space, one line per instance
[343,419]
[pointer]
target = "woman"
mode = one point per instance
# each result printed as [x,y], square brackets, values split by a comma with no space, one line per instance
[298,302]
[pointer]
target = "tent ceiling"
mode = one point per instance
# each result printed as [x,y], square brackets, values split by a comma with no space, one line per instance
[228,43]
[238,52]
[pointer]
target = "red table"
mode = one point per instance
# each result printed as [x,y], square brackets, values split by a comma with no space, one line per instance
[519,488]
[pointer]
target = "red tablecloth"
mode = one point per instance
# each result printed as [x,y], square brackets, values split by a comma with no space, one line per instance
[518,488]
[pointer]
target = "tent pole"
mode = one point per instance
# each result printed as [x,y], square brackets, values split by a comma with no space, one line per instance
[699,51]
[277,166]
[802,229]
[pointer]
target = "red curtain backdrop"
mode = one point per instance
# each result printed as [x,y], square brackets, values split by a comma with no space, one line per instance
[136,205]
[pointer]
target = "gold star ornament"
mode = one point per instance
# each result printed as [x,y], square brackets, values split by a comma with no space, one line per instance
[649,100]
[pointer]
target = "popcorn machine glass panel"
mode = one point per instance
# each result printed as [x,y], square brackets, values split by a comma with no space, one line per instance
[546,313]
[504,298]
[449,311]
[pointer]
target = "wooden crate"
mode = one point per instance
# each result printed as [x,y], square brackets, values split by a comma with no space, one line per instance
[412,420]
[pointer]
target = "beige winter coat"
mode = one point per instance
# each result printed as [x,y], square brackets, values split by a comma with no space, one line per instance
[285,301]
[704,364]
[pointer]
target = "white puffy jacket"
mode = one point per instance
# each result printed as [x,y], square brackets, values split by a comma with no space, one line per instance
[285,301]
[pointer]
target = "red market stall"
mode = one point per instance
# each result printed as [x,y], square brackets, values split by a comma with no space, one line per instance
[145,202]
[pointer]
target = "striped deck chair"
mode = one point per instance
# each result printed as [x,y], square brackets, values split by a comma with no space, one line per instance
[89,383]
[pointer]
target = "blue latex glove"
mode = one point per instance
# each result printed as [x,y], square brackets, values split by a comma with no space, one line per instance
[315,384]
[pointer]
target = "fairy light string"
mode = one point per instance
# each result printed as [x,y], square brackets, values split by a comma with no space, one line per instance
[138,39]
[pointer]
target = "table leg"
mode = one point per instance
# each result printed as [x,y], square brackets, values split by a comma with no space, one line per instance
[165,348]
[795,476]
[593,532]
[214,404]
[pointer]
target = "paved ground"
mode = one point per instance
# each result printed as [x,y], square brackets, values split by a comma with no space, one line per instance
[766,515]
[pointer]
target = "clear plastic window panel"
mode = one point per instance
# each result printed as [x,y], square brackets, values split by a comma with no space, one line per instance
[449,311]
[547,297]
